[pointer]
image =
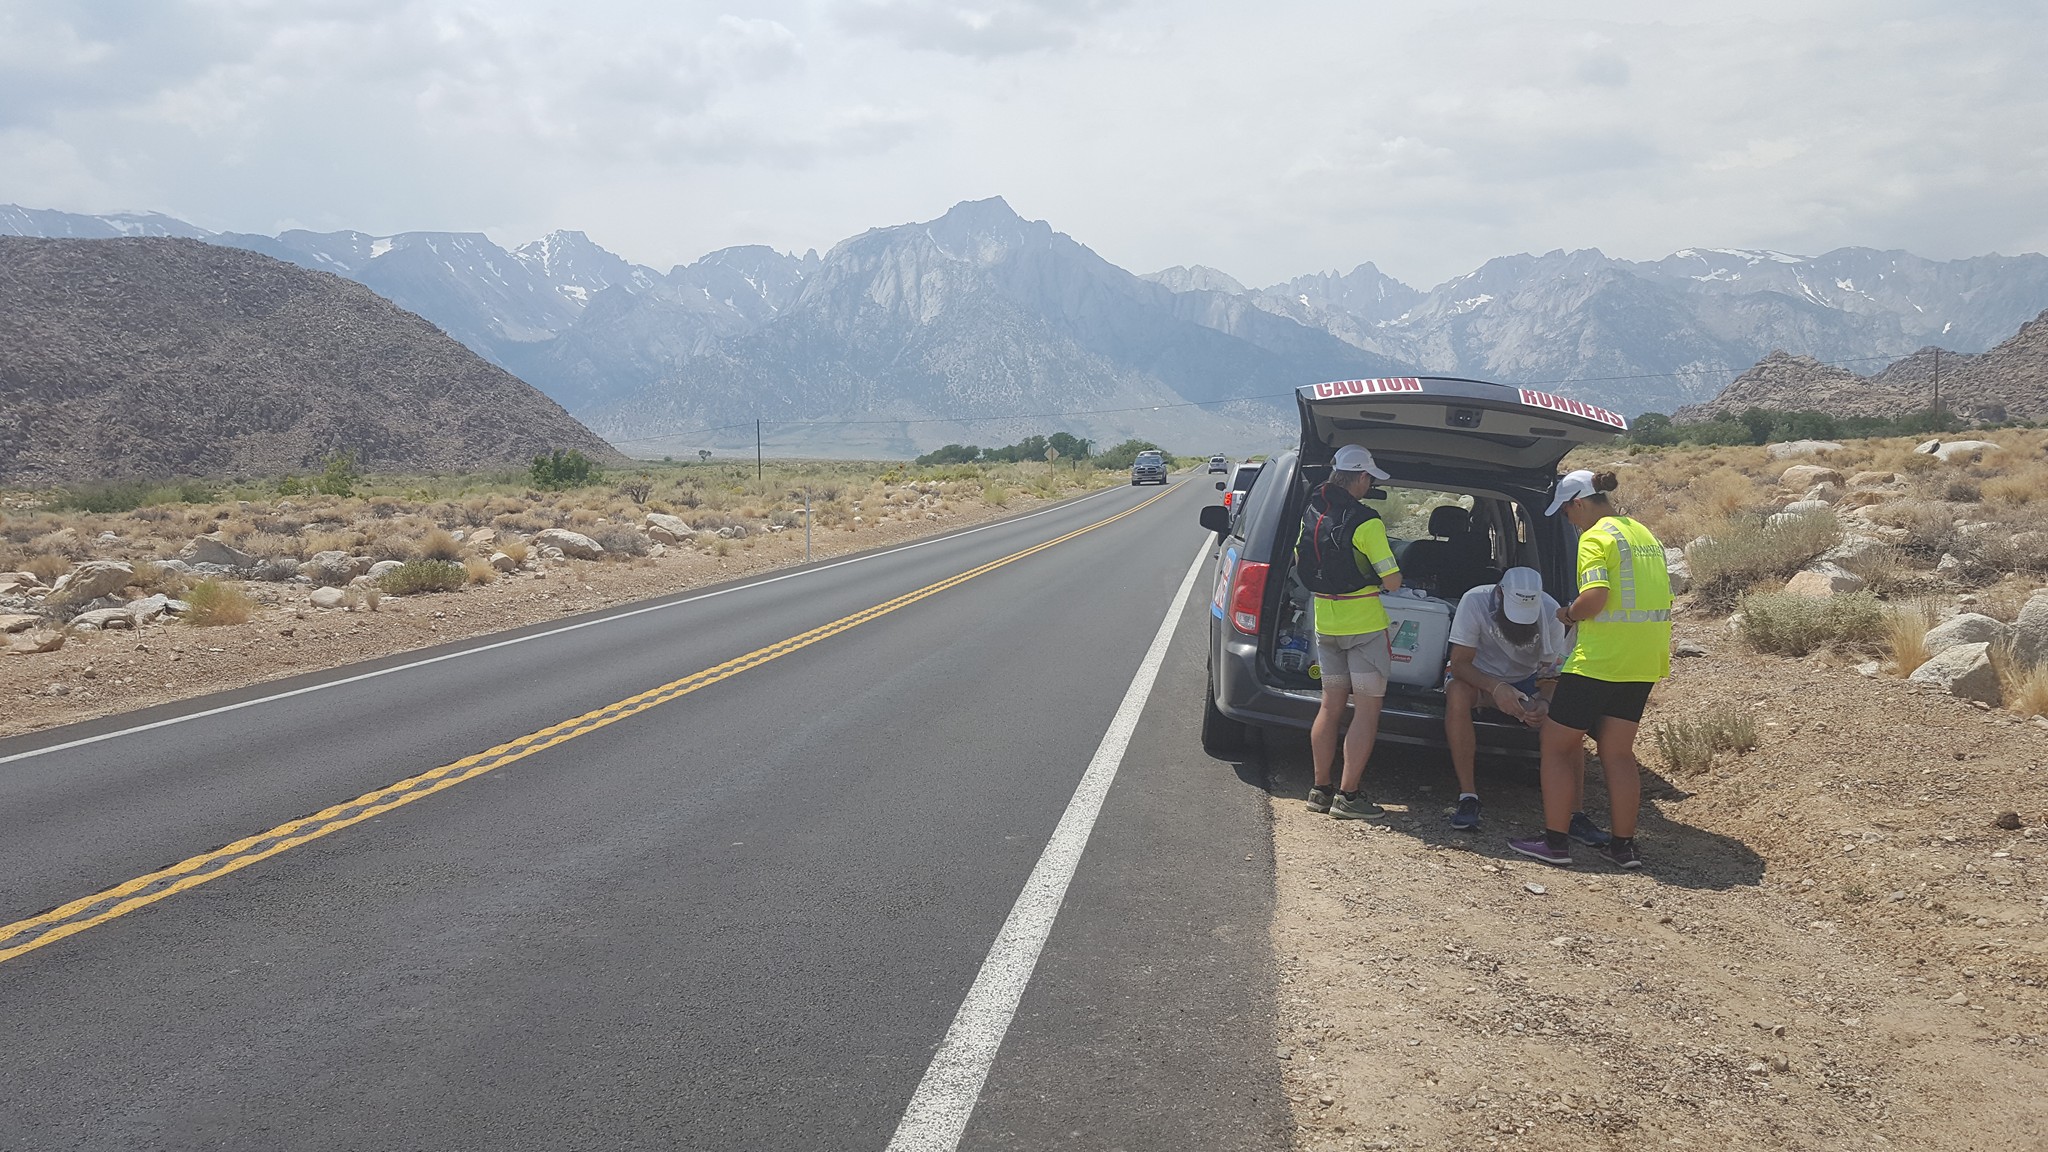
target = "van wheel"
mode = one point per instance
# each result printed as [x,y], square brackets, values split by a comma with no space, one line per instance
[1220,734]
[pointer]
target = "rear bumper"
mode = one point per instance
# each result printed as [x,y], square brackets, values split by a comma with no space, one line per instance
[1413,716]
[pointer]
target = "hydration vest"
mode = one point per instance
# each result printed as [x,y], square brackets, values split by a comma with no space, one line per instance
[1325,557]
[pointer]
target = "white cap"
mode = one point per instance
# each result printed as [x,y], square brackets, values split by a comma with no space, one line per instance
[1521,595]
[1357,458]
[1575,486]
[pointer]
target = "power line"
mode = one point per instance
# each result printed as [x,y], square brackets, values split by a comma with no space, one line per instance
[1156,407]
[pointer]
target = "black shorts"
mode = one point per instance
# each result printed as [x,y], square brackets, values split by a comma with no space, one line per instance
[1581,701]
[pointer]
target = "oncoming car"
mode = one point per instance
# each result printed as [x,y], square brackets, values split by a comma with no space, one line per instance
[1472,466]
[1149,468]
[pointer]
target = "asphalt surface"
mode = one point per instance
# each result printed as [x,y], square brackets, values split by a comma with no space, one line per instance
[743,918]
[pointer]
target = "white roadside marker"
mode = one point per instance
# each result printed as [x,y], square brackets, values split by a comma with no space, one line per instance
[945,1098]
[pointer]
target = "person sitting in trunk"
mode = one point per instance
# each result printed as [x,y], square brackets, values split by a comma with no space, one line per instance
[1506,647]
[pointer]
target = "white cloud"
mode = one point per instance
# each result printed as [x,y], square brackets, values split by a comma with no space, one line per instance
[1265,141]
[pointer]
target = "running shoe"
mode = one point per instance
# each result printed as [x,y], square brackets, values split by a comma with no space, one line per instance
[1466,818]
[1586,832]
[1319,798]
[1359,809]
[1537,848]
[1621,855]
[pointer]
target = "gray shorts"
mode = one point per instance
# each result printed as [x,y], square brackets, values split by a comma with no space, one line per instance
[1361,663]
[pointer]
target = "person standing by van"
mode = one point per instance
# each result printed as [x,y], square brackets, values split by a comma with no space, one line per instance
[1507,645]
[1623,613]
[1344,560]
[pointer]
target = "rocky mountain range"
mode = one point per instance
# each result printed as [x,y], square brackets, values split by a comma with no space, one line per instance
[2008,382]
[159,357]
[928,331]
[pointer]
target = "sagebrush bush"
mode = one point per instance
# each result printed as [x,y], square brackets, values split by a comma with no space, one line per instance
[1793,625]
[46,566]
[416,576]
[214,602]
[1690,744]
[1745,552]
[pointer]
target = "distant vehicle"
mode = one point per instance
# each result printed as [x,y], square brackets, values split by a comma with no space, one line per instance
[1472,465]
[1219,464]
[1150,468]
[1240,482]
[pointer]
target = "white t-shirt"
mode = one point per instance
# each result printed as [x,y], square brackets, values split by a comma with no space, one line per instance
[1475,627]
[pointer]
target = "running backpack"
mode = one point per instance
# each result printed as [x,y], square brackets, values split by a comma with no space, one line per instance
[1325,557]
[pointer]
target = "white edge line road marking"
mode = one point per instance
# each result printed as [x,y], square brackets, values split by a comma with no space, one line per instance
[939,1109]
[536,635]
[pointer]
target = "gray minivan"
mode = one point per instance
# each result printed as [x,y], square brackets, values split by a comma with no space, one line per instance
[1472,466]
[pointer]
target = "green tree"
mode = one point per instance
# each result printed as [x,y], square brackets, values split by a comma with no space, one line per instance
[557,470]
[338,475]
[950,454]
[1125,454]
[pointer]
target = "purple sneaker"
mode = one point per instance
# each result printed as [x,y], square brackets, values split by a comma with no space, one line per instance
[1537,848]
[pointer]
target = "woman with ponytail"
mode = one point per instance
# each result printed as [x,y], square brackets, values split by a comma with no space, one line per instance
[1623,614]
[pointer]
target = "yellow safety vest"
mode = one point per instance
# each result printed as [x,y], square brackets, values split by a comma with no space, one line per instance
[1630,640]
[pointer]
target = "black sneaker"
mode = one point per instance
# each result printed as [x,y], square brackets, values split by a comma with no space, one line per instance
[1343,808]
[1621,855]
[1588,833]
[1466,818]
[1319,798]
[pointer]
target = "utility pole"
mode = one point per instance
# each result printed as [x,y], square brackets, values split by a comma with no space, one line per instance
[807,524]
[757,451]
[1937,388]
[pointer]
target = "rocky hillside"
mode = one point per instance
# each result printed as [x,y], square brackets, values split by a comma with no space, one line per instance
[2008,382]
[166,357]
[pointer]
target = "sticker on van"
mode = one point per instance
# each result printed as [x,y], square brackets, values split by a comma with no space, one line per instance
[1550,403]
[1339,388]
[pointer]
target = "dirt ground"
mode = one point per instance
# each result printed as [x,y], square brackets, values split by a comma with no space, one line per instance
[95,674]
[1833,944]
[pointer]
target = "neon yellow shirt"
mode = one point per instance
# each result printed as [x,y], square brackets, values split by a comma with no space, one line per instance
[1630,640]
[1360,612]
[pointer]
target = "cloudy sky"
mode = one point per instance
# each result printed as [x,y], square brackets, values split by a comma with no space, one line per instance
[1265,139]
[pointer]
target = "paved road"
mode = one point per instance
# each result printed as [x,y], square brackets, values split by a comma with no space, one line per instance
[735,903]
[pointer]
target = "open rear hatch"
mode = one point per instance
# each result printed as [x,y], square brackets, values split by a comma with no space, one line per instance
[1438,421]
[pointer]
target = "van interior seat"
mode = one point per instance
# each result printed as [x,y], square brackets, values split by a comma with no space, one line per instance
[1458,558]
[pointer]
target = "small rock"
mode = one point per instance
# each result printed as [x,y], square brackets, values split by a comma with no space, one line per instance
[1824,579]
[40,642]
[1536,889]
[105,618]
[328,598]
[1869,668]
[1687,648]
[503,563]
[2010,821]
[10,624]
[383,566]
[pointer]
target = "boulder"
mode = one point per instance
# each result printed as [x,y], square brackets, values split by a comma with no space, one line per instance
[12,623]
[1803,476]
[1963,451]
[1862,498]
[40,642]
[504,563]
[211,549]
[2030,631]
[150,607]
[92,580]
[1964,671]
[172,565]
[105,618]
[383,566]
[1865,481]
[677,528]
[1854,549]
[12,587]
[329,598]
[1799,508]
[1823,493]
[334,567]
[484,537]
[657,550]
[1791,448]
[572,544]
[1968,628]
[1824,580]
[660,535]
[1680,571]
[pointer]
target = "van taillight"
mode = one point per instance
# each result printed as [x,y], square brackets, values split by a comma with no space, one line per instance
[1247,596]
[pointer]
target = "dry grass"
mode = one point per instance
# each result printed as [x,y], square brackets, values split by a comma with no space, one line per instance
[2016,488]
[479,569]
[516,549]
[2025,689]
[2003,601]
[151,579]
[440,544]
[1905,634]
[46,566]
[214,602]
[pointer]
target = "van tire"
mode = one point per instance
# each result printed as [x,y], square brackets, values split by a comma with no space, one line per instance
[1220,734]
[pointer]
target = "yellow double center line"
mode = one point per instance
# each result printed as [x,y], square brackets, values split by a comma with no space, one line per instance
[25,936]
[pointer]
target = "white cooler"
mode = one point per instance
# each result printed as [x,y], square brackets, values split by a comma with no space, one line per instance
[1419,632]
